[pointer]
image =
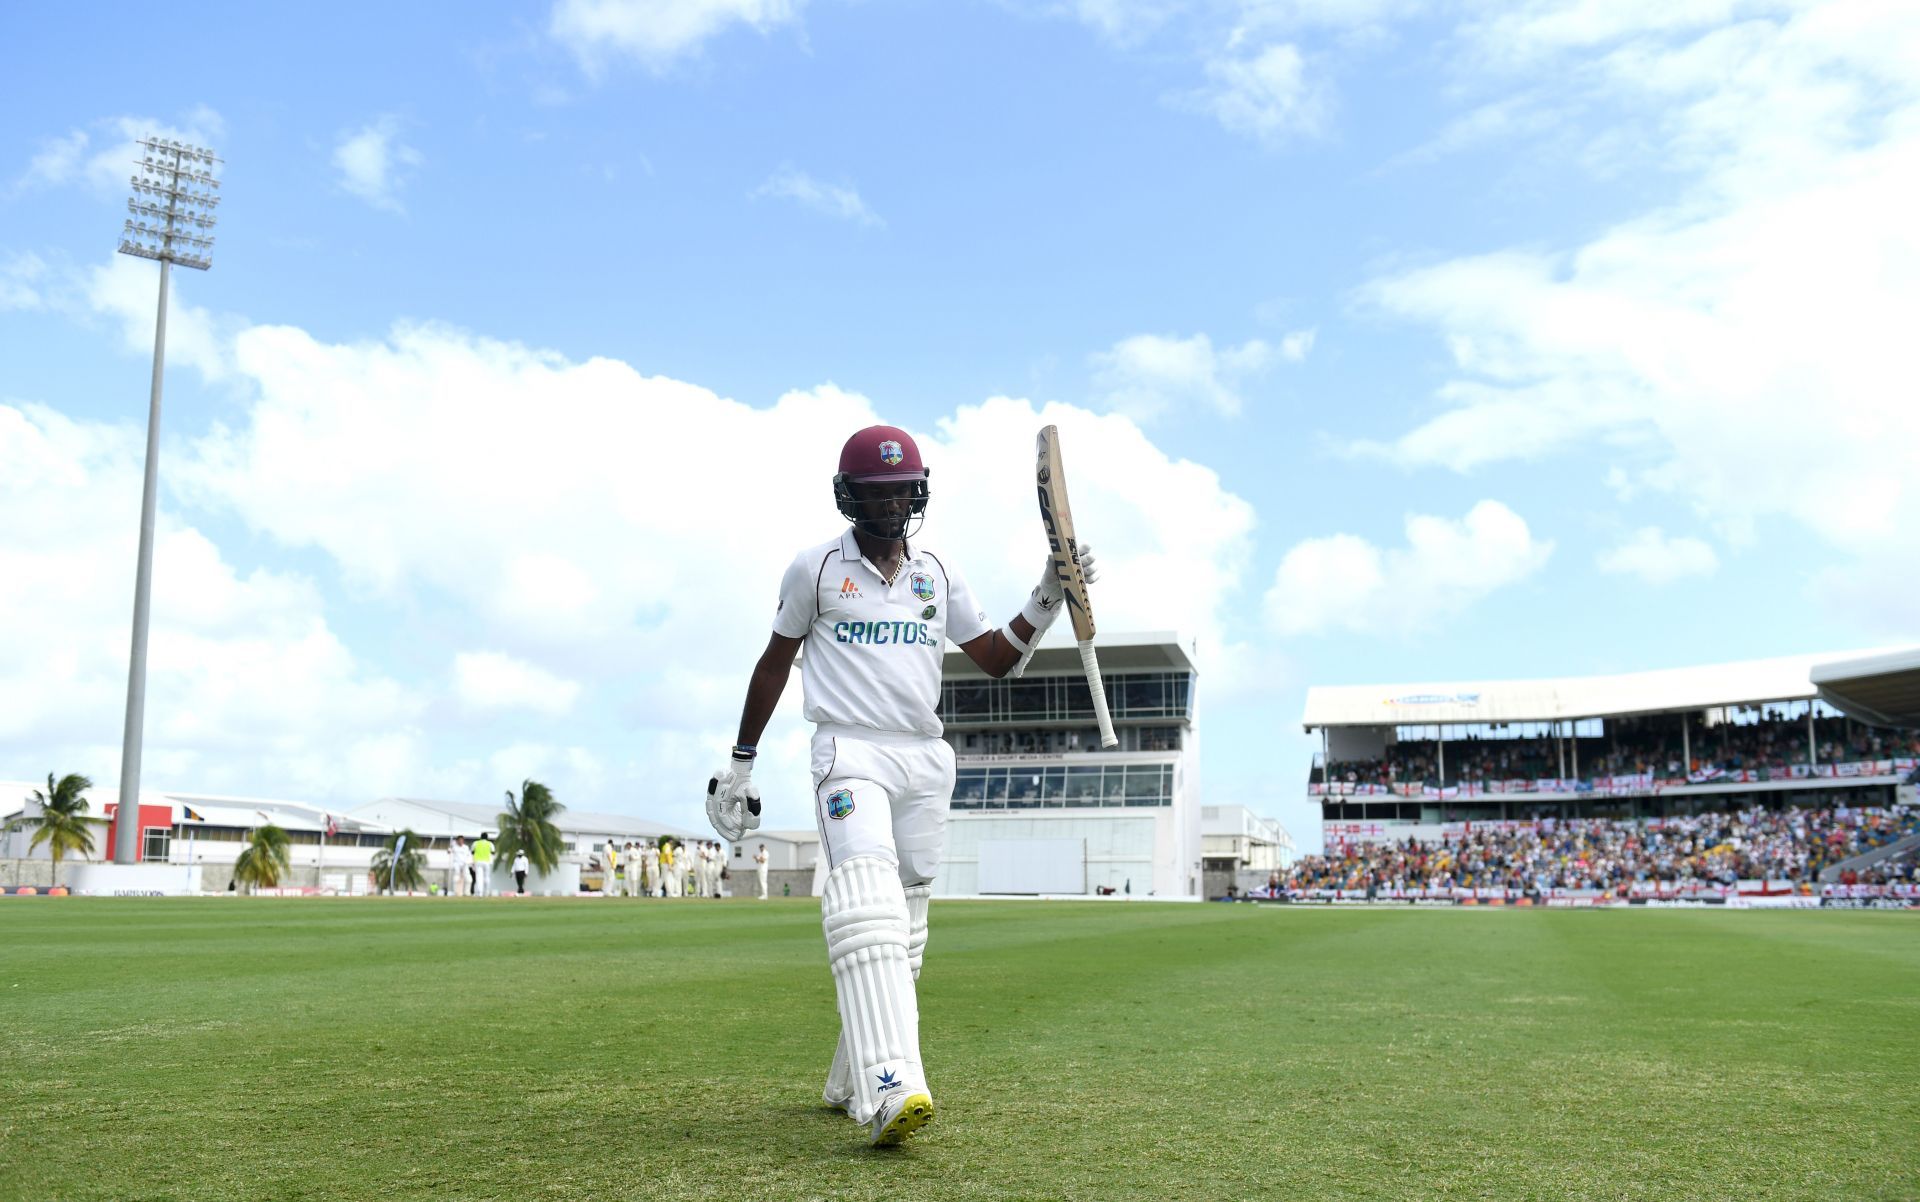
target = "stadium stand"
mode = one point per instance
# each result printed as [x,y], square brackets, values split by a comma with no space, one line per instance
[1700,852]
[1769,743]
[1785,778]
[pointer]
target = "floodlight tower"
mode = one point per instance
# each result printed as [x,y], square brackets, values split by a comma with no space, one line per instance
[171,218]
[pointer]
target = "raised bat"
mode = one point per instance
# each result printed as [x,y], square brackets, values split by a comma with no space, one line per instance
[1050,479]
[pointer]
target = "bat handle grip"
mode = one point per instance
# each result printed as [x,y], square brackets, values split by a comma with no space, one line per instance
[1092,665]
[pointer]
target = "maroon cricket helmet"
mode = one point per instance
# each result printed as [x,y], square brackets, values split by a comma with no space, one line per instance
[879,455]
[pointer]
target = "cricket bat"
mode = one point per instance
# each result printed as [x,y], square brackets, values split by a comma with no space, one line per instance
[1050,477]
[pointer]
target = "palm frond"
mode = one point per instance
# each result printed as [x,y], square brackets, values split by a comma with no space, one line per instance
[63,826]
[527,826]
[265,858]
[409,871]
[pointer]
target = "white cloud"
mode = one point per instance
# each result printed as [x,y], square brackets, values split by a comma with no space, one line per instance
[1344,582]
[488,680]
[1531,29]
[831,199]
[1296,346]
[1148,374]
[115,148]
[554,507]
[21,281]
[374,164]
[551,510]
[1123,22]
[246,681]
[1738,347]
[124,291]
[59,160]
[1657,559]
[1265,94]
[657,33]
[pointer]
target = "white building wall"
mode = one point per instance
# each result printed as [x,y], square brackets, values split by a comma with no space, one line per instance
[1136,850]
[784,852]
[1186,813]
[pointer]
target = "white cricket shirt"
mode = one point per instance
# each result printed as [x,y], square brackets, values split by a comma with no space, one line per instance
[872,652]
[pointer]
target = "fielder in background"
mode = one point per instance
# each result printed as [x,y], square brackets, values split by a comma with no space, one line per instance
[610,871]
[482,865]
[760,870]
[875,611]
[459,867]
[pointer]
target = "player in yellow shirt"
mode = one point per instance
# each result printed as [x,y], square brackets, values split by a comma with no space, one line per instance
[668,876]
[482,865]
[610,871]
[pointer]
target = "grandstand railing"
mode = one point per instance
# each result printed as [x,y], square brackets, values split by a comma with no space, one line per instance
[1638,784]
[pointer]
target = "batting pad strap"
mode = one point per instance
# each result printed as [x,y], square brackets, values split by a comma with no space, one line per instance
[860,927]
[918,897]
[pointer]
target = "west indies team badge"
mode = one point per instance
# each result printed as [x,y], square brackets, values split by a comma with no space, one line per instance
[891,454]
[923,586]
[840,803]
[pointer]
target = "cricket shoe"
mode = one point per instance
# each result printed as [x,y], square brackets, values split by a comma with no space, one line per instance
[900,1115]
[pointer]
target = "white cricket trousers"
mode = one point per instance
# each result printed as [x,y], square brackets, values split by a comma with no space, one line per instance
[482,879]
[877,793]
[760,872]
[457,881]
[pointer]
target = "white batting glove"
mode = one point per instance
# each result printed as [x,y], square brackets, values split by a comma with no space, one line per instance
[1044,605]
[733,800]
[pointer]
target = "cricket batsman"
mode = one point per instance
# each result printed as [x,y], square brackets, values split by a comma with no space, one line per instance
[875,610]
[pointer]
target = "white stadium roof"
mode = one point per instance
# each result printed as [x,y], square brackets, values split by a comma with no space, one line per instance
[1123,651]
[1882,689]
[1668,690]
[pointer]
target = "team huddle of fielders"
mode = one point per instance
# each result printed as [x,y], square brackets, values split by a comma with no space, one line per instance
[661,868]
[637,868]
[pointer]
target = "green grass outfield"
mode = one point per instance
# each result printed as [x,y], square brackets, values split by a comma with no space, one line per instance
[605,1048]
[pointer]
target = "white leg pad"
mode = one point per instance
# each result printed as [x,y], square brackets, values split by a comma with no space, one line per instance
[864,913]
[917,898]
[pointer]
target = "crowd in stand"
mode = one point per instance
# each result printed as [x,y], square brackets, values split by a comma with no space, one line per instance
[1703,850]
[1773,741]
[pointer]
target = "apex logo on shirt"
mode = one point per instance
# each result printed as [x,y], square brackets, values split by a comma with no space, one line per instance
[848,588]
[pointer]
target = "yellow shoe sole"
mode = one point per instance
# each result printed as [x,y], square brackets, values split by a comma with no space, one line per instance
[916,1113]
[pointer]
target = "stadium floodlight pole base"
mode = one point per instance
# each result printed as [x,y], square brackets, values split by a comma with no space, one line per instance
[126,838]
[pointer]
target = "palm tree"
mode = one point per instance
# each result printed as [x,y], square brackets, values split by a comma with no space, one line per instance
[527,825]
[63,823]
[409,870]
[264,859]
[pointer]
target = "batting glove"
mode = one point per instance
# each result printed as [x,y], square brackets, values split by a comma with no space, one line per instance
[733,800]
[1044,605]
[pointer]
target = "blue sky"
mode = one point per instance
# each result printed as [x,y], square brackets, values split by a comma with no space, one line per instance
[1393,340]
